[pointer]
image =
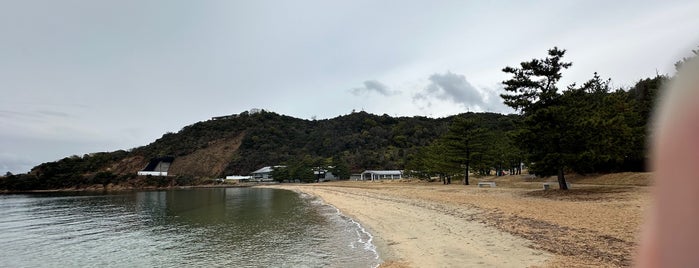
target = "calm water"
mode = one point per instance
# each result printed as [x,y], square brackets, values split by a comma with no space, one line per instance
[237,227]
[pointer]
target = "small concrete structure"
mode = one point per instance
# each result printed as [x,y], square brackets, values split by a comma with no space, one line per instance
[381,174]
[547,185]
[157,167]
[488,183]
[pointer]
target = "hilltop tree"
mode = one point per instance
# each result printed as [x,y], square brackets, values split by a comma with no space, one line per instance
[680,63]
[533,90]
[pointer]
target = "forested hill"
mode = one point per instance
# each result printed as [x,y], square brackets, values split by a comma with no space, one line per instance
[585,128]
[239,144]
[360,140]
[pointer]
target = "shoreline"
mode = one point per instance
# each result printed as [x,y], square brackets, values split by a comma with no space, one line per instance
[381,251]
[128,189]
[596,224]
[407,233]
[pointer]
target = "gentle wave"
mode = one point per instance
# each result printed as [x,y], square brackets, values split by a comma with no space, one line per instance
[363,237]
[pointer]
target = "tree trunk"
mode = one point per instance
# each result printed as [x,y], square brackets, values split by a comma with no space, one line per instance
[468,158]
[466,174]
[448,179]
[562,180]
[519,166]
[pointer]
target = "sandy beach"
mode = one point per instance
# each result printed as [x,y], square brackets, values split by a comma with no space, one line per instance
[516,224]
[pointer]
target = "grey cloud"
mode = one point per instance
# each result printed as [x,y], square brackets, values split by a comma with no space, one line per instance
[455,88]
[374,86]
[451,87]
[422,100]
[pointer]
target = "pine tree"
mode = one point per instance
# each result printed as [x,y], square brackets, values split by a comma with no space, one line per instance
[462,140]
[533,91]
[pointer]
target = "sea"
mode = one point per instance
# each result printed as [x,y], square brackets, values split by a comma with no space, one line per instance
[203,227]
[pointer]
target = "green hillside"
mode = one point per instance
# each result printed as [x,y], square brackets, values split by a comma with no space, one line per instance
[586,128]
[360,139]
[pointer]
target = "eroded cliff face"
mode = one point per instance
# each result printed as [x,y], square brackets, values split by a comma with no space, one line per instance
[210,161]
[128,165]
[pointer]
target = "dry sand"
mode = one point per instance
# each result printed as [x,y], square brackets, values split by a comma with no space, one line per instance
[512,225]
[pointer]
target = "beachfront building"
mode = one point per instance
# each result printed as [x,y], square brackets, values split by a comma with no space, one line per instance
[157,167]
[324,175]
[264,174]
[238,178]
[355,177]
[381,174]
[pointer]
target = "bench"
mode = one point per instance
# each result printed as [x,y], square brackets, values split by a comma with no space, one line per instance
[489,183]
[547,185]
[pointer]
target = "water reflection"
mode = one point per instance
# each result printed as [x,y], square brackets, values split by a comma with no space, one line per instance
[200,227]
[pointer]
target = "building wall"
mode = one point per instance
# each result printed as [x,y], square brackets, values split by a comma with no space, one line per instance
[152,173]
[162,166]
[330,176]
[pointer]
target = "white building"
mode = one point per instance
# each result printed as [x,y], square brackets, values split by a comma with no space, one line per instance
[152,173]
[324,175]
[238,178]
[265,173]
[381,174]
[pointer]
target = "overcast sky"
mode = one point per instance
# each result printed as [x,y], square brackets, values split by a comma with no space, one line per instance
[88,76]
